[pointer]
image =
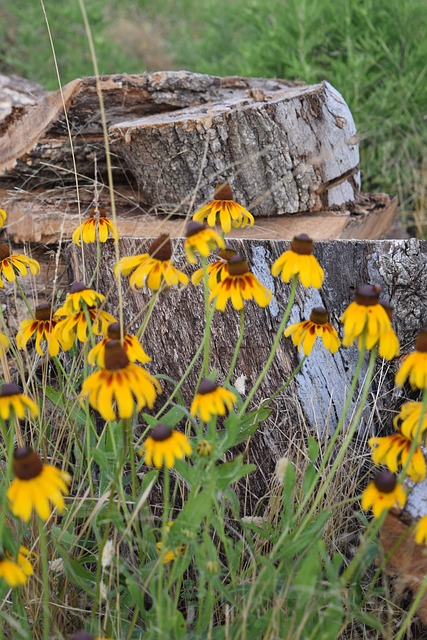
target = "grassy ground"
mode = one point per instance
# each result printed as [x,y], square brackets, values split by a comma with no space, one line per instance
[373,52]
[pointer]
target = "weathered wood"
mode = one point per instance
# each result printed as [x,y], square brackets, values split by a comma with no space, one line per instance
[176,328]
[36,147]
[16,96]
[48,215]
[283,151]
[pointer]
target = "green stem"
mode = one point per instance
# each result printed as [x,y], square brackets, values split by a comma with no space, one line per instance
[343,449]
[24,297]
[147,316]
[45,580]
[131,454]
[273,348]
[165,520]
[331,445]
[187,372]
[289,380]
[238,344]
[208,316]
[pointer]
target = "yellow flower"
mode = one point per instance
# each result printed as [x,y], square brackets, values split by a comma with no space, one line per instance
[3,217]
[304,334]
[383,493]
[23,561]
[36,486]
[97,227]
[11,572]
[414,366]
[421,531]
[239,284]
[212,400]
[15,265]
[79,298]
[225,210]
[165,445]
[216,271]
[366,316]
[299,261]
[154,268]
[408,421]
[170,554]
[131,345]
[120,388]
[43,326]
[13,399]
[200,239]
[4,343]
[393,451]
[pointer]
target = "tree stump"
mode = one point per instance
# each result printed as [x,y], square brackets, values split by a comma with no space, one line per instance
[319,391]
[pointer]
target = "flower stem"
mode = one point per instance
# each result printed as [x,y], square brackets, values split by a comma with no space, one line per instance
[339,426]
[24,297]
[147,316]
[208,316]
[238,345]
[273,348]
[45,580]
[348,438]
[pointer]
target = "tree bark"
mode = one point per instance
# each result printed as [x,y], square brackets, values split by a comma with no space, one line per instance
[319,391]
[284,147]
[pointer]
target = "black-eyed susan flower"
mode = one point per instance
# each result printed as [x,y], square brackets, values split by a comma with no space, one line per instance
[11,572]
[383,493]
[98,227]
[131,345]
[12,399]
[212,400]
[238,285]
[224,210]
[420,531]
[42,326]
[121,387]
[393,451]
[154,268]
[12,265]
[202,240]
[165,445]
[408,422]
[217,270]
[304,333]
[3,216]
[366,316]
[80,296]
[414,365]
[388,343]
[299,261]
[36,486]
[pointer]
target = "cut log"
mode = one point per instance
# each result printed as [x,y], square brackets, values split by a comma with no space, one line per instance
[176,328]
[47,216]
[36,148]
[284,147]
[282,151]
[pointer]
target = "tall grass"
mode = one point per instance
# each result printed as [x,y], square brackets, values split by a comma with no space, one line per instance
[373,52]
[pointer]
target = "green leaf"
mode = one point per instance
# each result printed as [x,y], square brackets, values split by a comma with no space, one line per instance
[229,472]
[68,407]
[313,448]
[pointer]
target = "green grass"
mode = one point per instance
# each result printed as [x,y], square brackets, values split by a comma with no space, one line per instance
[373,52]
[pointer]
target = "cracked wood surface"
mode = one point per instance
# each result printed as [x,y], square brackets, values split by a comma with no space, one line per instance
[286,150]
[285,147]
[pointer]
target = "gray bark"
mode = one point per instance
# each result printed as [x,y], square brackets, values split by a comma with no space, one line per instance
[176,328]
